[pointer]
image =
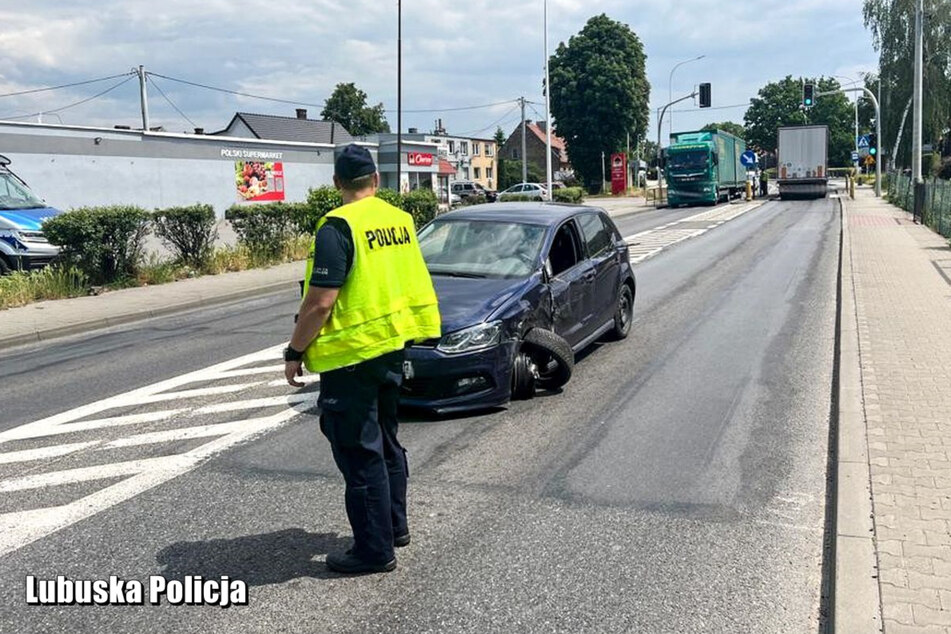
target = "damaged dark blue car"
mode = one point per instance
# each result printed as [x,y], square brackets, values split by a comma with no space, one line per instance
[522,287]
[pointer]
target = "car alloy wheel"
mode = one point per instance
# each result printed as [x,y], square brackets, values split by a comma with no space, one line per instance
[624,314]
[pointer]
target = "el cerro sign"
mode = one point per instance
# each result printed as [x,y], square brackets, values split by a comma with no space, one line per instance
[420,158]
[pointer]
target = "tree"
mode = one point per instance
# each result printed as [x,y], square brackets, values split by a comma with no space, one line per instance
[599,93]
[892,23]
[499,137]
[347,105]
[780,104]
[727,126]
[510,173]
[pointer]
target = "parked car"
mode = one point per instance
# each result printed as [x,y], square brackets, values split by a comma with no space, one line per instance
[22,243]
[469,189]
[532,190]
[446,197]
[522,287]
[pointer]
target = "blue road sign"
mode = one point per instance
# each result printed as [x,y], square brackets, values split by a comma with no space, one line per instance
[748,158]
[855,157]
[863,141]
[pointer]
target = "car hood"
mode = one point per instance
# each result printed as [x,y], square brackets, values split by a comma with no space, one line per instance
[26,219]
[466,301]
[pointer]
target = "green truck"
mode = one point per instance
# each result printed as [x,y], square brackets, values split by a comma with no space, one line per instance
[704,167]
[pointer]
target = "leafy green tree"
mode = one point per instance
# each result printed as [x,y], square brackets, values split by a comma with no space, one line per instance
[892,23]
[510,173]
[780,104]
[599,92]
[347,105]
[499,137]
[735,129]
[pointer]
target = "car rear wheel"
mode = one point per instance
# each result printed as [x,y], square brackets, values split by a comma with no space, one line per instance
[4,267]
[552,355]
[624,314]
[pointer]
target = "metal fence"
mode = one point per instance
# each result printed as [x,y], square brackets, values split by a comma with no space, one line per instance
[936,211]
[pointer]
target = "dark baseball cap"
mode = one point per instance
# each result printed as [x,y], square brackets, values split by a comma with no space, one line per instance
[353,162]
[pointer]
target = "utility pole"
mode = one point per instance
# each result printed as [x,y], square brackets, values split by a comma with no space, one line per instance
[521,101]
[916,125]
[399,96]
[547,110]
[878,128]
[143,98]
[660,123]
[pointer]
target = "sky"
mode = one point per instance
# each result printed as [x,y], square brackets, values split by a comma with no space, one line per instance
[456,55]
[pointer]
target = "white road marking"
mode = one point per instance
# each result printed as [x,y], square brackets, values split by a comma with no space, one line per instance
[39,431]
[43,453]
[19,528]
[254,403]
[647,244]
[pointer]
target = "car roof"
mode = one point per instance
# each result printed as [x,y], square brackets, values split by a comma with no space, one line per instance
[535,213]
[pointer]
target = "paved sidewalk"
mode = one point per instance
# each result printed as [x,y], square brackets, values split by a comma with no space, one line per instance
[901,279]
[50,319]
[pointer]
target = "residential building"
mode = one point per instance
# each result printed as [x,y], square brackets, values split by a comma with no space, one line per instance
[535,148]
[298,129]
[472,159]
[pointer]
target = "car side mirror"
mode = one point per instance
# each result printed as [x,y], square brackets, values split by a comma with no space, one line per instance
[547,272]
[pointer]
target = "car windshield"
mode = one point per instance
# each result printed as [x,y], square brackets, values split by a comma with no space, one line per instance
[481,248]
[689,160]
[13,195]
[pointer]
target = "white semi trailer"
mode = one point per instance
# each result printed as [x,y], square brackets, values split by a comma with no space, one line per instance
[802,170]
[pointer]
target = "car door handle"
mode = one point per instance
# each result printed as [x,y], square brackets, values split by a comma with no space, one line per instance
[589,276]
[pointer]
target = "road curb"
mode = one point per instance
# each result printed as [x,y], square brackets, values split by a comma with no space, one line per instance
[47,334]
[857,598]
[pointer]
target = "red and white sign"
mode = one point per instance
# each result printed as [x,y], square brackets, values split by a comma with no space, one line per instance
[618,173]
[420,158]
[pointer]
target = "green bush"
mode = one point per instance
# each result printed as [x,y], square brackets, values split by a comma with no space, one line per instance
[473,200]
[320,201]
[263,228]
[421,204]
[52,282]
[105,243]
[568,195]
[391,196]
[189,232]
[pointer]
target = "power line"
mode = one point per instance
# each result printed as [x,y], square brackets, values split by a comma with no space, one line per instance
[78,83]
[738,105]
[510,112]
[438,110]
[162,92]
[74,104]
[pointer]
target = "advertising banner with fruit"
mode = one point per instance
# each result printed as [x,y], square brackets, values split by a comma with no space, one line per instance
[259,181]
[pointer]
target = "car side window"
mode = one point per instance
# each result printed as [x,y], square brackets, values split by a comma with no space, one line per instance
[598,237]
[565,249]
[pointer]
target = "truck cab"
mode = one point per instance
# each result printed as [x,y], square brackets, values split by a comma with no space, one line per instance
[704,167]
[22,243]
[691,174]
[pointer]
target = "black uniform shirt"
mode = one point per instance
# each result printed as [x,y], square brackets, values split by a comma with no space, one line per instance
[333,254]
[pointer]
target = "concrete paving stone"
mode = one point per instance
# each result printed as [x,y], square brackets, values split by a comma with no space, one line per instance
[918,580]
[921,564]
[926,597]
[929,616]
[898,611]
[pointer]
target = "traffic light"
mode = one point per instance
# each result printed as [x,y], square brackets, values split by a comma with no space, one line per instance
[873,145]
[705,95]
[808,95]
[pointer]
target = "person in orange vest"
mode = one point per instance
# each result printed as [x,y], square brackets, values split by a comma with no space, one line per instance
[367,295]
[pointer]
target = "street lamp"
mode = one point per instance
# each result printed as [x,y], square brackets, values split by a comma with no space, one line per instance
[670,83]
[853,82]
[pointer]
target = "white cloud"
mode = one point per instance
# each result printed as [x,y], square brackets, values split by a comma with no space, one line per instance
[454,53]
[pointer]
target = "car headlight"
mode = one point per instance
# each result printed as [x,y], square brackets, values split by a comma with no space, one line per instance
[470,339]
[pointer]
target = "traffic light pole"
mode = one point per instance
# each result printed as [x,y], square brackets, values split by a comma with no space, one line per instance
[660,124]
[878,129]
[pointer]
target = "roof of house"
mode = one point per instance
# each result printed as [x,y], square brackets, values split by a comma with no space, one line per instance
[556,141]
[273,127]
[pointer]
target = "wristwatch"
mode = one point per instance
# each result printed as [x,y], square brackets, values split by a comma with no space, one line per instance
[292,355]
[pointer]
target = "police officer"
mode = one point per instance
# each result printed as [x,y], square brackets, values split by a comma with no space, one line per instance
[763,183]
[367,294]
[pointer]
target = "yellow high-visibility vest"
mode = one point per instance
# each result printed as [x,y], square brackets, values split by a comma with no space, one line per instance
[388,298]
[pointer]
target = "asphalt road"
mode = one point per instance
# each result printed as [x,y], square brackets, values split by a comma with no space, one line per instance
[676,484]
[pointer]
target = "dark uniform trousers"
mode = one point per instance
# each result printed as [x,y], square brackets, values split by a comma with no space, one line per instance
[358,416]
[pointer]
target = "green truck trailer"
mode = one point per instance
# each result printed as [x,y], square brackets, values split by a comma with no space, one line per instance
[704,167]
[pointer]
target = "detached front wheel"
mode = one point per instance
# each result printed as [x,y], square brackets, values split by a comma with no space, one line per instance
[553,356]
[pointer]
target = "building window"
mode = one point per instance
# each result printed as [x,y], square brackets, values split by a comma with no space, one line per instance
[476,149]
[488,173]
[452,147]
[515,153]
[489,149]
[464,148]
[478,173]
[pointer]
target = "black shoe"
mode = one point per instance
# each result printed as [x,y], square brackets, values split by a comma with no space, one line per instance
[348,564]
[401,540]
